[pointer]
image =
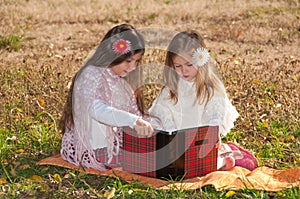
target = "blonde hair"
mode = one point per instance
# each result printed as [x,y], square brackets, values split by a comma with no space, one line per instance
[207,80]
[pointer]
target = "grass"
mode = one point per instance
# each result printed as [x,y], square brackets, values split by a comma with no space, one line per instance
[256,46]
[11,42]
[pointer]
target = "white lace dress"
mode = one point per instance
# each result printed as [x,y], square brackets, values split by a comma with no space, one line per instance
[102,103]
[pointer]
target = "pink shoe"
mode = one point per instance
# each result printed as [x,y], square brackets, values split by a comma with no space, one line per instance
[229,163]
[248,161]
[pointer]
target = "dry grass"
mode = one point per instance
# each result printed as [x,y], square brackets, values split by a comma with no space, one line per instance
[256,45]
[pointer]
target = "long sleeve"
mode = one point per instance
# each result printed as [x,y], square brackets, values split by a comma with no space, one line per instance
[111,116]
[219,111]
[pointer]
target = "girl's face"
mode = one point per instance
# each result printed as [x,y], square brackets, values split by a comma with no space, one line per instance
[184,68]
[124,68]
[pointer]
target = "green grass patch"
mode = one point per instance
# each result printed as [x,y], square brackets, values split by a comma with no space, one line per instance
[11,42]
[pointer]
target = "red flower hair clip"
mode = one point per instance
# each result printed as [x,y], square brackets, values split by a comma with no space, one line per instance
[122,46]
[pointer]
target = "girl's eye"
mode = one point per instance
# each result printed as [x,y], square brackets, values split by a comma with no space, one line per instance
[128,60]
[177,66]
[189,65]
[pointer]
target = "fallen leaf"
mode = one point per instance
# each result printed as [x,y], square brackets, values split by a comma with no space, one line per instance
[19,110]
[41,103]
[279,193]
[279,155]
[229,194]
[20,151]
[57,178]
[36,178]
[266,123]
[110,194]
[270,102]
[255,81]
[3,181]
[25,166]
[291,138]
[239,33]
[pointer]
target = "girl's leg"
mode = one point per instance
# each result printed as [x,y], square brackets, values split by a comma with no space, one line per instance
[225,163]
[225,158]
[247,160]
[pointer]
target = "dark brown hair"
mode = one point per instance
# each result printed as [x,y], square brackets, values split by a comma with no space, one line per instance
[104,56]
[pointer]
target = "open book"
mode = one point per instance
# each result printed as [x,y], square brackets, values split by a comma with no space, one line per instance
[182,153]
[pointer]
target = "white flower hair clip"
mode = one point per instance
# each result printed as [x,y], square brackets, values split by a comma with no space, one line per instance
[201,56]
[121,46]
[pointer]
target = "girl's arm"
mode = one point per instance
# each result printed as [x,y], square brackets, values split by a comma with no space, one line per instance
[219,111]
[111,116]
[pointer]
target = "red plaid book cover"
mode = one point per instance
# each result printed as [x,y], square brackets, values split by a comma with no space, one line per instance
[139,153]
[201,153]
[187,153]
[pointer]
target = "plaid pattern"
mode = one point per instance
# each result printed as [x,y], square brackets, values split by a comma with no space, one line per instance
[139,153]
[101,156]
[190,152]
[201,156]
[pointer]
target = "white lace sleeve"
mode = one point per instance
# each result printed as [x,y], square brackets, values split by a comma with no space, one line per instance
[161,110]
[111,116]
[219,111]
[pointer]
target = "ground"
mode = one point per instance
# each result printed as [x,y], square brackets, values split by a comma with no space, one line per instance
[255,44]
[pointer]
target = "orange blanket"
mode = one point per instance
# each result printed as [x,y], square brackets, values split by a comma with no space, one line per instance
[262,178]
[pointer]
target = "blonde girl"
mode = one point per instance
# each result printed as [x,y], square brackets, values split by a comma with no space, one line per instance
[194,95]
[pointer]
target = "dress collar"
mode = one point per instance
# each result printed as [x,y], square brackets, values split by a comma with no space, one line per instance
[185,83]
[112,74]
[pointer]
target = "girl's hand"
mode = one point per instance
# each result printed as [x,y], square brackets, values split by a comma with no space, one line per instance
[143,128]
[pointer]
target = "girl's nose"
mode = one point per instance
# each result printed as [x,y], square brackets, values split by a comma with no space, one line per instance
[184,69]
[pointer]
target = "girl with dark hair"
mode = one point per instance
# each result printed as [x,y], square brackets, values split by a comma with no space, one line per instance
[101,101]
